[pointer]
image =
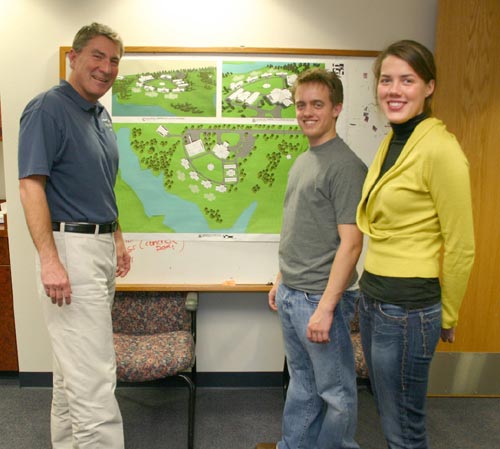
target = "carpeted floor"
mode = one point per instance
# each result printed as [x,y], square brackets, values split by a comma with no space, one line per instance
[235,419]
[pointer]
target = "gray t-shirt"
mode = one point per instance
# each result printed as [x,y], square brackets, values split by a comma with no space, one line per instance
[323,191]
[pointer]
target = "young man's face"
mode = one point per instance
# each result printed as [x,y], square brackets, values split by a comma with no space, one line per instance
[316,114]
[94,68]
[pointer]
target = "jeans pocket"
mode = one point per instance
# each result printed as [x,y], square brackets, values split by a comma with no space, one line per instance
[431,328]
[432,313]
[312,298]
[392,311]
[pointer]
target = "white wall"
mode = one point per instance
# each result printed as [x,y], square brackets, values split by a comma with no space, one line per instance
[236,332]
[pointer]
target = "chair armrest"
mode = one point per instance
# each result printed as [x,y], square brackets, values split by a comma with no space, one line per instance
[192,301]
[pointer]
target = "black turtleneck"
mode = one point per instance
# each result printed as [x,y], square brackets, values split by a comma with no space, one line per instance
[402,132]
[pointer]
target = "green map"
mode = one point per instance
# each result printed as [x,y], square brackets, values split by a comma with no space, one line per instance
[199,178]
[225,174]
[175,92]
[257,89]
[206,143]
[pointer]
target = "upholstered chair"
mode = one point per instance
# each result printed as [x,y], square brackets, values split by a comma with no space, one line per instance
[155,335]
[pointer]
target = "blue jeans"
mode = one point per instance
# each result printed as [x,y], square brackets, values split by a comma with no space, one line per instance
[398,345]
[321,403]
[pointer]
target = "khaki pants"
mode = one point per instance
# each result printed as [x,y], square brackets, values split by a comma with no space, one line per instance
[85,413]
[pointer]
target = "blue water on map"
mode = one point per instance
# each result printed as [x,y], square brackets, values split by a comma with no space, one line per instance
[134,110]
[245,68]
[180,215]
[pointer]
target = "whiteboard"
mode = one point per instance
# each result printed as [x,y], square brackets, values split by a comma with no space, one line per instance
[206,256]
[158,260]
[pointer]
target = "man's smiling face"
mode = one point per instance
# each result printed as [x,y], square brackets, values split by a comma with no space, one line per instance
[94,68]
[316,115]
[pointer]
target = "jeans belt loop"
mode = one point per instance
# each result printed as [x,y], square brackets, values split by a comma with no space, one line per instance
[96,232]
[62,226]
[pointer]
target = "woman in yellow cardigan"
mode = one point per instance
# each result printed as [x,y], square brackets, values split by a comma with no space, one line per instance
[416,201]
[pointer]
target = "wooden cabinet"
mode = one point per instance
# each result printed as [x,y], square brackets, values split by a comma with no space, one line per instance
[8,347]
[467,99]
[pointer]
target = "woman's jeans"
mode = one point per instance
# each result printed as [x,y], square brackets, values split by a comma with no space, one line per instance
[321,403]
[398,345]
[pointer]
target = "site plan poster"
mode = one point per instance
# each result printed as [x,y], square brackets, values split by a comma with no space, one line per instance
[206,142]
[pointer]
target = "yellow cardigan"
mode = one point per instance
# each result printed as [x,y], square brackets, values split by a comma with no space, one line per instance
[421,204]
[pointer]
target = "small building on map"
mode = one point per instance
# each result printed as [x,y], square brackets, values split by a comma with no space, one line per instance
[280,96]
[194,148]
[162,131]
[290,79]
[221,150]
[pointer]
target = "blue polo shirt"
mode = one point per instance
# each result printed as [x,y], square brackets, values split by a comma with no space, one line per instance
[72,142]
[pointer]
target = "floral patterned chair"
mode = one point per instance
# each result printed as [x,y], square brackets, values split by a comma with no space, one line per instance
[154,335]
[359,357]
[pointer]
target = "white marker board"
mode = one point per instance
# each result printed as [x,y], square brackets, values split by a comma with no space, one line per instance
[203,258]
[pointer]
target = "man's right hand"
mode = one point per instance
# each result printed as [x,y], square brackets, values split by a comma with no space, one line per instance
[36,209]
[56,282]
[271,297]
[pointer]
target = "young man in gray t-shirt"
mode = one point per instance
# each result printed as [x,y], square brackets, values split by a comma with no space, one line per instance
[319,247]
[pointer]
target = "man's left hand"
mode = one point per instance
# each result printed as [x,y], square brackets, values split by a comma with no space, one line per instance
[318,329]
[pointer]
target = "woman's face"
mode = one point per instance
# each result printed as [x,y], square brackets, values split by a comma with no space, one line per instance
[401,92]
